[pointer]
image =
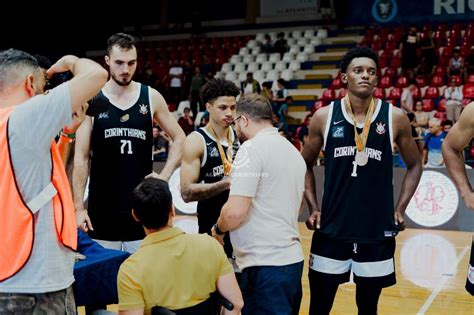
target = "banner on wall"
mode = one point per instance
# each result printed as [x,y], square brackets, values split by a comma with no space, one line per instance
[288,7]
[406,12]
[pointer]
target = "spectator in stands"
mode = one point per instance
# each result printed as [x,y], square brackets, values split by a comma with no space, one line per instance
[281,45]
[160,145]
[302,131]
[180,278]
[406,100]
[149,78]
[207,67]
[162,72]
[422,117]
[204,120]
[267,45]
[187,76]
[453,95]
[447,125]
[186,121]
[250,85]
[456,63]
[432,156]
[416,132]
[470,62]
[283,114]
[428,55]
[281,95]
[197,81]
[408,47]
[325,9]
[267,91]
[176,83]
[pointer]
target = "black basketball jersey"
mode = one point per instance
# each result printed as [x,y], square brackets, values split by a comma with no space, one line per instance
[121,156]
[212,171]
[358,200]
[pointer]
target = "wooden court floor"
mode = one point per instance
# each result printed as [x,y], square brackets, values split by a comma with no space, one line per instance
[431,271]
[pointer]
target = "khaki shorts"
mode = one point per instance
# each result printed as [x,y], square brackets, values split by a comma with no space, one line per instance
[58,302]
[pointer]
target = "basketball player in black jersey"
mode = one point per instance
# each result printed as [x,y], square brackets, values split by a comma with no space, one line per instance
[356,226]
[119,145]
[208,154]
[457,139]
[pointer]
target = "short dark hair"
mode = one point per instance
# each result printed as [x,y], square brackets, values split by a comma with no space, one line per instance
[256,107]
[447,122]
[152,203]
[411,116]
[124,41]
[16,60]
[412,82]
[43,61]
[217,88]
[358,52]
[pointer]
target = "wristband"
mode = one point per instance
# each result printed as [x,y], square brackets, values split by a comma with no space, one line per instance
[218,231]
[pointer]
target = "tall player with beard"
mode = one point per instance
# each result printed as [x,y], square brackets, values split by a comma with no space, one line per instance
[118,144]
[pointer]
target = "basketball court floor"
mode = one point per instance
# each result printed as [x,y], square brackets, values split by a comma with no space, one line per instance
[431,267]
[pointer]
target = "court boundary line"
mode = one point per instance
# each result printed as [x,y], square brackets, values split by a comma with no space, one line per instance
[441,285]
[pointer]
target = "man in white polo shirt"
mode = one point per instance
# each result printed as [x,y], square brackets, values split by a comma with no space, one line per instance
[267,185]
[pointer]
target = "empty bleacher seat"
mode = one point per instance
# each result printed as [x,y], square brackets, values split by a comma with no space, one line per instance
[322,33]
[267,66]
[286,74]
[294,65]
[379,93]
[432,93]
[428,105]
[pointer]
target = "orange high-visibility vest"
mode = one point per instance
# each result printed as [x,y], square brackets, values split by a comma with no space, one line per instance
[17,228]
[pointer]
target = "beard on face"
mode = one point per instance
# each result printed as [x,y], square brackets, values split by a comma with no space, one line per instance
[121,82]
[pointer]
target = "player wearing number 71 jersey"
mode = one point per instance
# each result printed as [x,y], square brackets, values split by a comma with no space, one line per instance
[358,220]
[119,146]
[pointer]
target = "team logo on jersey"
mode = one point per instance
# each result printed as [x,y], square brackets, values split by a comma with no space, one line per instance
[380,128]
[124,118]
[143,109]
[338,132]
[103,115]
[214,152]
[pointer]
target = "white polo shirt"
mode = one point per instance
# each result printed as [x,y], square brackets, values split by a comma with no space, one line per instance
[269,169]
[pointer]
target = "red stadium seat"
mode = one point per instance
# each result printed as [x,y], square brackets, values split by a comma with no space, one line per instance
[428,105]
[391,72]
[402,82]
[432,93]
[440,70]
[395,93]
[468,91]
[421,81]
[329,95]
[470,79]
[379,93]
[336,84]
[385,82]
[440,115]
[396,61]
[416,93]
[342,93]
[317,105]
[437,81]
[441,105]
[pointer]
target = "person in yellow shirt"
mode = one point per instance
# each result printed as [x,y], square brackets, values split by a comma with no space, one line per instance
[171,269]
